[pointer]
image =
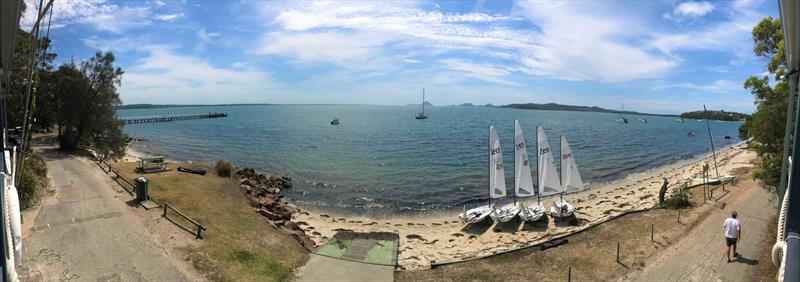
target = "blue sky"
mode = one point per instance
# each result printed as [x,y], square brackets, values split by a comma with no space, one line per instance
[654,56]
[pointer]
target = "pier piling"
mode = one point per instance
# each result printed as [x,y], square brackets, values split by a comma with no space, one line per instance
[569,274]
[652,232]
[168,118]
[618,252]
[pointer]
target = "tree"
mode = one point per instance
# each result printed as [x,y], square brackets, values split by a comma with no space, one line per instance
[87,95]
[767,124]
[19,72]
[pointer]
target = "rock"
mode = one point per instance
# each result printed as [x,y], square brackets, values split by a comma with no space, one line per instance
[269,214]
[303,240]
[273,190]
[292,226]
[278,223]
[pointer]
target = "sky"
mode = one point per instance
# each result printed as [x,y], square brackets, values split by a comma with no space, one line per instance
[653,56]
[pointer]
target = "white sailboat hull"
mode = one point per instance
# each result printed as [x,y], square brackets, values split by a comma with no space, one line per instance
[561,209]
[533,212]
[505,213]
[475,215]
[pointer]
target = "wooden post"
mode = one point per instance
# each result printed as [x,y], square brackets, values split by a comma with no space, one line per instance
[652,231]
[199,229]
[679,216]
[617,252]
[165,210]
[569,274]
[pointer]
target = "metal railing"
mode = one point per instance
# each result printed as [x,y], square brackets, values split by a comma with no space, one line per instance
[198,230]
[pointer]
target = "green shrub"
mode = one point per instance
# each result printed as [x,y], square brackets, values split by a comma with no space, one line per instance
[33,176]
[679,198]
[224,168]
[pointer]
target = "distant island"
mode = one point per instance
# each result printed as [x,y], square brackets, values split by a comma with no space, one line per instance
[559,107]
[155,106]
[466,105]
[426,104]
[715,115]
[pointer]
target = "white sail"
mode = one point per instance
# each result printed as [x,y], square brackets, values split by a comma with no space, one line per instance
[548,176]
[570,176]
[497,177]
[523,184]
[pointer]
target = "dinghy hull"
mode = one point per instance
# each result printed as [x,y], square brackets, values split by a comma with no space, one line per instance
[505,213]
[533,212]
[561,209]
[475,215]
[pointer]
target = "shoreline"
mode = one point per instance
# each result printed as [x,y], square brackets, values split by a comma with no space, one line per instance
[438,236]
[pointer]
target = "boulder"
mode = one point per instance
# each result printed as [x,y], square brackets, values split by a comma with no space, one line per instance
[292,226]
[303,240]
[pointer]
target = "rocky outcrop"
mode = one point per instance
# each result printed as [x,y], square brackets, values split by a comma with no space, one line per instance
[264,192]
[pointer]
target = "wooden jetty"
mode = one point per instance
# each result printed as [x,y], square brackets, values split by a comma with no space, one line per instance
[168,118]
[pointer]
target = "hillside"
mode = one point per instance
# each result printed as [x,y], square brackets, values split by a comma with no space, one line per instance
[715,115]
[559,107]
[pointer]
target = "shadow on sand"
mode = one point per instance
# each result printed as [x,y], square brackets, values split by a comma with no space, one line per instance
[508,227]
[538,226]
[478,228]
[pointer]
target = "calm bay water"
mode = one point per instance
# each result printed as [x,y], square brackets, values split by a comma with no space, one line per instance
[382,159]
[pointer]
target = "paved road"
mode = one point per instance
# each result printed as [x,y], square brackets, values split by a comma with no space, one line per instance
[700,256]
[84,232]
[322,268]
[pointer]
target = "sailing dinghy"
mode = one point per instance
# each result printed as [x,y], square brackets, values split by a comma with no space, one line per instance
[497,185]
[497,180]
[523,184]
[570,179]
[549,183]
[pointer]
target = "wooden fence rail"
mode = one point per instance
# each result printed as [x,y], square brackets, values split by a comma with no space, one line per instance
[199,227]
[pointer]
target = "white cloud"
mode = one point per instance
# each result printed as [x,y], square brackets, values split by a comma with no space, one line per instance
[720,86]
[347,32]
[168,17]
[592,48]
[484,72]
[168,77]
[732,35]
[96,13]
[694,9]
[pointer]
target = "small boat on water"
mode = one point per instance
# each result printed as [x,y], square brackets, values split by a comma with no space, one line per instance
[679,119]
[497,187]
[643,120]
[523,184]
[422,114]
[622,119]
[335,121]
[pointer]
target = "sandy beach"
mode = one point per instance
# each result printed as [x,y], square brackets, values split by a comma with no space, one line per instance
[441,237]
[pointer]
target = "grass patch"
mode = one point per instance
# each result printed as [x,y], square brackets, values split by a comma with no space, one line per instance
[239,244]
[334,248]
[381,253]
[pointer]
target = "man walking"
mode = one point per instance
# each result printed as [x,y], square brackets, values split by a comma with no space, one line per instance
[733,231]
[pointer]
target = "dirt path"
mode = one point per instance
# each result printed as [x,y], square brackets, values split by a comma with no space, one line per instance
[700,256]
[84,231]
